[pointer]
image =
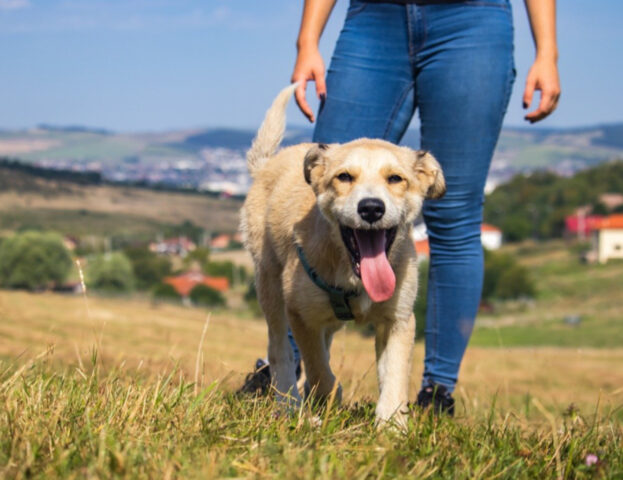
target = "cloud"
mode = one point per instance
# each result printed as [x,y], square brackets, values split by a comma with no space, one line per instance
[14,4]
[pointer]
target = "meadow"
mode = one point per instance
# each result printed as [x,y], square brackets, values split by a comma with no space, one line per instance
[120,387]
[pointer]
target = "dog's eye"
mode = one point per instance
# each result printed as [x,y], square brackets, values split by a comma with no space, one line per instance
[394,179]
[345,177]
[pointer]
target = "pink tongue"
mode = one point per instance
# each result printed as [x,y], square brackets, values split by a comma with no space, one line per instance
[376,273]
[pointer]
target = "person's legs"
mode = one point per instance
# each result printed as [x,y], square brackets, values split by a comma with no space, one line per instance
[464,76]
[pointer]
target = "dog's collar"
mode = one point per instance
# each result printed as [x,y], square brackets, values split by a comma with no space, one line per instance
[338,297]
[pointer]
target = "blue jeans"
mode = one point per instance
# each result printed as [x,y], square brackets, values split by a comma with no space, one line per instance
[454,64]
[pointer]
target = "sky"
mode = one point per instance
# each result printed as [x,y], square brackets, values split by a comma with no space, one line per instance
[154,65]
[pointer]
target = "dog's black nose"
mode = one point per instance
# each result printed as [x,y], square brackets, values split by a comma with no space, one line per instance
[371,209]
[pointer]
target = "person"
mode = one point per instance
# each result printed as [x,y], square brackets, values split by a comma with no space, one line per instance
[452,61]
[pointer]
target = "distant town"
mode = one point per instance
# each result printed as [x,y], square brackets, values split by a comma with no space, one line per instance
[214,159]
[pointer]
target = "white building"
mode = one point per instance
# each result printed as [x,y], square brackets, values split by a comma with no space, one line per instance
[490,236]
[609,238]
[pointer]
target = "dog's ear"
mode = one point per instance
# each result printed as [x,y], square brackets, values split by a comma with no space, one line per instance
[314,162]
[428,171]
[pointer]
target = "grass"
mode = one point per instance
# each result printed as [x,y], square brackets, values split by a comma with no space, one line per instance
[122,388]
[80,423]
[565,287]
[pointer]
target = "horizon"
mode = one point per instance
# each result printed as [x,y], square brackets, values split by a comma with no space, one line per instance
[134,66]
[412,128]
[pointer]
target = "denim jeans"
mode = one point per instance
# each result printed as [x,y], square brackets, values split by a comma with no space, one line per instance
[454,64]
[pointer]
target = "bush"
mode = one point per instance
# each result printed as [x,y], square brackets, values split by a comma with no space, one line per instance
[515,282]
[149,269]
[111,272]
[34,260]
[165,292]
[505,279]
[205,296]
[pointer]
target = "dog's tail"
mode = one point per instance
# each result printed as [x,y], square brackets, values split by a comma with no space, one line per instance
[270,134]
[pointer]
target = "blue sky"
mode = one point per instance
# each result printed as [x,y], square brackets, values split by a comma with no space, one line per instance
[138,65]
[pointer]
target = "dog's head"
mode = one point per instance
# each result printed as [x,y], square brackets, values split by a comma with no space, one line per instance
[369,189]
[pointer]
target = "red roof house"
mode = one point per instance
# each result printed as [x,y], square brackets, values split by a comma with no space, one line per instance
[185,282]
[582,224]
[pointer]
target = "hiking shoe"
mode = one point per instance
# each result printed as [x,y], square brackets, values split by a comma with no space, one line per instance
[438,396]
[257,382]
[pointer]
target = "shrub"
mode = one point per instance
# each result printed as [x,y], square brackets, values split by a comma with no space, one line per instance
[34,260]
[111,272]
[515,282]
[205,296]
[505,279]
[165,292]
[149,269]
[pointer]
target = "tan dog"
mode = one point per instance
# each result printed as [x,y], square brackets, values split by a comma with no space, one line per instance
[344,213]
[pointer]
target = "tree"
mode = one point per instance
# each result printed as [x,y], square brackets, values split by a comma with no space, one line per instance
[110,272]
[149,269]
[34,260]
[199,256]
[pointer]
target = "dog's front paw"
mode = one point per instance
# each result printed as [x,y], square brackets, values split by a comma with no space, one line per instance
[392,417]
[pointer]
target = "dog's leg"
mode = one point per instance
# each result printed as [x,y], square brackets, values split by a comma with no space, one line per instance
[394,352]
[314,344]
[280,355]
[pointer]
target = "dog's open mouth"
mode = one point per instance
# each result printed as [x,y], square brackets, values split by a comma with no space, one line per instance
[368,251]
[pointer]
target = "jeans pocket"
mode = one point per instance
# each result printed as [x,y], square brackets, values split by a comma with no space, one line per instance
[355,8]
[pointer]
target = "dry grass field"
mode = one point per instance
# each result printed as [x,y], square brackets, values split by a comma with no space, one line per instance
[154,339]
[80,210]
[121,388]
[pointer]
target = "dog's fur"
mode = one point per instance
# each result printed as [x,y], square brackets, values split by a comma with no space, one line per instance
[297,197]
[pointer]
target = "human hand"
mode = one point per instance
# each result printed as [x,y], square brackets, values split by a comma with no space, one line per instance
[543,76]
[309,67]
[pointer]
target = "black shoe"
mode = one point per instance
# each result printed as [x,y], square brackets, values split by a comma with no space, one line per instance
[437,396]
[257,382]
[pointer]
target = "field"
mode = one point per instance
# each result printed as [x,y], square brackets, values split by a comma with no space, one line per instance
[28,202]
[120,387]
[566,288]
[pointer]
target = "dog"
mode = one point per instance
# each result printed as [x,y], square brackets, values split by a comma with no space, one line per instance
[328,227]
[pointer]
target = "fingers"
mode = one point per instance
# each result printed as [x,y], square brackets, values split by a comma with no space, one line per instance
[321,86]
[543,76]
[547,104]
[528,92]
[301,101]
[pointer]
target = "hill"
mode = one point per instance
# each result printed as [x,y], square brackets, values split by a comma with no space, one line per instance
[536,205]
[30,201]
[215,157]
